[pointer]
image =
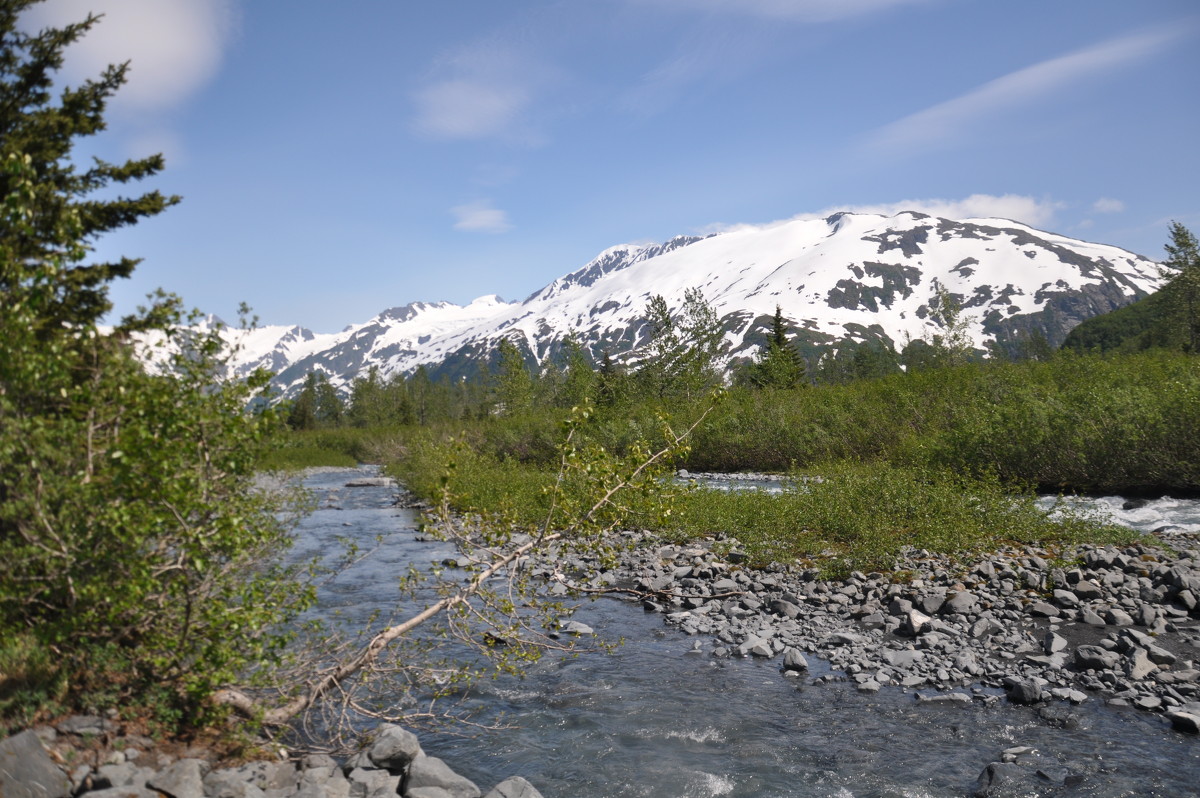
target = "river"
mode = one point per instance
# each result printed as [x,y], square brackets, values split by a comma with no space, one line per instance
[659,717]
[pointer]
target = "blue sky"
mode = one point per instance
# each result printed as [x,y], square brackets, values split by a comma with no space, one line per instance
[337,159]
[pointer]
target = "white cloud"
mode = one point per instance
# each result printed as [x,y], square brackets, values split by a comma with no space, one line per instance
[468,109]
[174,46]
[791,10]
[480,217]
[947,120]
[481,92]
[1018,208]
[1108,205]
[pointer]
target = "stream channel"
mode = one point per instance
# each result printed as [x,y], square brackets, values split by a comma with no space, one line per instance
[660,717]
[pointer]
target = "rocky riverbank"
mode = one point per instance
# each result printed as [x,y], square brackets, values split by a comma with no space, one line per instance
[90,756]
[1051,629]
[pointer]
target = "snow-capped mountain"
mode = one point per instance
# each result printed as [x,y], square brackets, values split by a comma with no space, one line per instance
[854,276]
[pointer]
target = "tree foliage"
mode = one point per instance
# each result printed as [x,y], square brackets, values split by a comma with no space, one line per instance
[681,356]
[1181,270]
[132,543]
[778,364]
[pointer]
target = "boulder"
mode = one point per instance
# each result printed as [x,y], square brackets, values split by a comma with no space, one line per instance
[394,748]
[373,783]
[1020,691]
[429,771]
[998,778]
[793,660]
[1095,658]
[515,787]
[27,771]
[183,779]
[916,622]
[960,603]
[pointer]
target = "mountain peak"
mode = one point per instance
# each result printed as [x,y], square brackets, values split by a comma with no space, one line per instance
[849,275]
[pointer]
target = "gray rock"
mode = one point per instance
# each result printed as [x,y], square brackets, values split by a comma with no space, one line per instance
[944,698]
[1053,643]
[1118,617]
[1185,722]
[1065,598]
[1020,691]
[125,774]
[313,761]
[1043,609]
[429,771]
[515,787]
[275,779]
[785,608]
[577,628]
[1095,658]
[323,782]
[998,778]
[27,771]
[916,622]
[229,783]
[183,779]
[793,660]
[428,792]
[960,603]
[1138,664]
[394,748]
[84,724]
[372,783]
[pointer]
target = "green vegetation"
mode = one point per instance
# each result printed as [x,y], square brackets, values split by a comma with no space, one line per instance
[1168,319]
[134,551]
[944,456]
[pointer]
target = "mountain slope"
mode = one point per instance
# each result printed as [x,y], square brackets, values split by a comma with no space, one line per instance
[849,275]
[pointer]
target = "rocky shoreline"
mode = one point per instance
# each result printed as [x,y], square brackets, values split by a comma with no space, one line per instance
[1054,629]
[90,756]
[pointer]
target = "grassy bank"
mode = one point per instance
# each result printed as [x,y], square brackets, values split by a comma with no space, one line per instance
[944,459]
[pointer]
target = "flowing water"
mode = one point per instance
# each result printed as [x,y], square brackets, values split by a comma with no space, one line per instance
[661,718]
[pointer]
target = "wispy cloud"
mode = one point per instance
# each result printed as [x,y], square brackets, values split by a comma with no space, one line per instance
[480,217]
[1108,205]
[1018,208]
[949,120]
[481,92]
[174,46]
[811,11]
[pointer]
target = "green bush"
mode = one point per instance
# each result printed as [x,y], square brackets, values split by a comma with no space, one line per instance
[135,554]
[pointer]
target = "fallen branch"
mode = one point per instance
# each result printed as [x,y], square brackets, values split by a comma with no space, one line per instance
[332,679]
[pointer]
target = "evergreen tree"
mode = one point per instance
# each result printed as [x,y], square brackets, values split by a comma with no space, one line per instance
[1181,270]
[778,364]
[329,407]
[302,414]
[62,217]
[579,379]
[682,353]
[134,553]
[513,385]
[612,383]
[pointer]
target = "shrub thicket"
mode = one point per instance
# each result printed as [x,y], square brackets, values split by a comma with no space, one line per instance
[133,548]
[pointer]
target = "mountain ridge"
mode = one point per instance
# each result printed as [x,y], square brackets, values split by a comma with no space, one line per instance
[847,275]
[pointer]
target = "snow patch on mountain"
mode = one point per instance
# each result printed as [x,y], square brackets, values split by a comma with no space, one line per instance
[832,277]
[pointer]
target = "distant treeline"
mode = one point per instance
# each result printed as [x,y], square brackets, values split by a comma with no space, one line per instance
[1117,409]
